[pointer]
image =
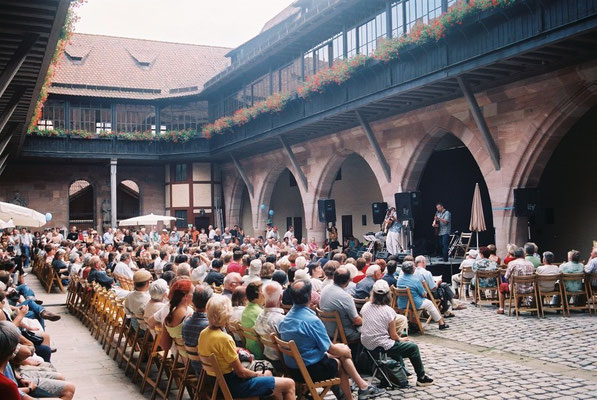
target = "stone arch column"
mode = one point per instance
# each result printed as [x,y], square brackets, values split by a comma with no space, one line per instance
[545,135]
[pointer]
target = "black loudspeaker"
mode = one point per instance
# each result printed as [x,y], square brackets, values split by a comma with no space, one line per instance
[408,205]
[326,210]
[526,202]
[379,212]
[382,254]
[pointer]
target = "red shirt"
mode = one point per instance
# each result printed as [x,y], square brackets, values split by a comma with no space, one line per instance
[359,278]
[508,259]
[9,389]
[235,267]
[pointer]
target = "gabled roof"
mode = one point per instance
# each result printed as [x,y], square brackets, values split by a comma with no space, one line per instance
[116,67]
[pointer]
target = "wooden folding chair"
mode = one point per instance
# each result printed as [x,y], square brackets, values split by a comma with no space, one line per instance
[307,386]
[463,244]
[554,281]
[464,282]
[179,372]
[436,302]
[583,292]
[211,367]
[481,297]
[592,290]
[359,303]
[154,357]
[250,334]
[518,296]
[410,311]
[234,328]
[333,317]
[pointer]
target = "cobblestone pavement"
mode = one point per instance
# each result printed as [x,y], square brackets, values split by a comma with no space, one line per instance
[482,356]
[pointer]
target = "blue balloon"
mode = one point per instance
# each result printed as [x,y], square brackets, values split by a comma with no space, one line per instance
[263,206]
[48,217]
[271,212]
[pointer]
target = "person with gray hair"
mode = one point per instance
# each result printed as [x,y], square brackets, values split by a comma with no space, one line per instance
[363,288]
[414,283]
[194,325]
[268,320]
[9,346]
[74,263]
[184,269]
[547,269]
[231,281]
[254,272]
[158,290]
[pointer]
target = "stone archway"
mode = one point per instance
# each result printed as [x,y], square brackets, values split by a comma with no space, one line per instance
[81,204]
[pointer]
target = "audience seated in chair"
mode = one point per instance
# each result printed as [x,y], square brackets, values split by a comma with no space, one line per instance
[269,319]
[379,331]
[413,282]
[323,359]
[241,381]
[518,267]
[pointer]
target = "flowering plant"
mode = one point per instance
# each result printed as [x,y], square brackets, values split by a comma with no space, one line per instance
[63,40]
[175,136]
[343,70]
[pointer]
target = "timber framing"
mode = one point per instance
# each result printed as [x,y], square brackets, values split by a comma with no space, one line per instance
[375,145]
[294,163]
[242,174]
[488,140]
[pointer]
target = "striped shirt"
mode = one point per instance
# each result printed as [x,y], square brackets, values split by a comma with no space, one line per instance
[376,321]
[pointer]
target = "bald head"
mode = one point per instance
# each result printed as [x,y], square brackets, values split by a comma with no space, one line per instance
[272,291]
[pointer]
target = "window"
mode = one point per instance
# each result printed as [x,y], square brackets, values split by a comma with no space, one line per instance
[237,101]
[181,218]
[52,116]
[288,223]
[421,11]
[180,173]
[398,19]
[290,77]
[364,220]
[261,89]
[339,175]
[337,48]
[321,58]
[178,117]
[90,117]
[351,42]
[370,32]
[135,118]
[308,64]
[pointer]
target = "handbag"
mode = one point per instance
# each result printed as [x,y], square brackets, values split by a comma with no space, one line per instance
[32,337]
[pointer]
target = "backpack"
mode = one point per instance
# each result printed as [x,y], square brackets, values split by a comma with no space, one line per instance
[392,373]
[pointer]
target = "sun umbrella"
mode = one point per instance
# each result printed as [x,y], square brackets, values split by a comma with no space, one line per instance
[143,220]
[477,218]
[7,224]
[21,216]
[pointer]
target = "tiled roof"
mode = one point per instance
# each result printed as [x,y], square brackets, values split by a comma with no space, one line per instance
[291,10]
[107,66]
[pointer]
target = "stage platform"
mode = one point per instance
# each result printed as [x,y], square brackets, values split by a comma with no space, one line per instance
[437,266]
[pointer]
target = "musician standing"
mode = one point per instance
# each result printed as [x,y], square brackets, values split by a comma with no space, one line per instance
[393,231]
[443,221]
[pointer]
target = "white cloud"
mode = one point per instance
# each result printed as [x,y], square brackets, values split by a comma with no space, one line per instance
[226,23]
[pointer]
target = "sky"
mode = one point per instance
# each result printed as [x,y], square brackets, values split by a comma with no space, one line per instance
[227,23]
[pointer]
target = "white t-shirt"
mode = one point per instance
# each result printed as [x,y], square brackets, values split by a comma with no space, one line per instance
[376,321]
[123,269]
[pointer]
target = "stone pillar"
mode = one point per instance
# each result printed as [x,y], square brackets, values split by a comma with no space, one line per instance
[113,183]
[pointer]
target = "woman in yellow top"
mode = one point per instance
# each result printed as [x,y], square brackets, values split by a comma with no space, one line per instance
[241,381]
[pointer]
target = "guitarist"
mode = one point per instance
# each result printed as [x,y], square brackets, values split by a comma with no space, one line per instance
[392,228]
[443,223]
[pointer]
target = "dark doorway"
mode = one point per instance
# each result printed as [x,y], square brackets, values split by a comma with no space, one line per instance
[346,227]
[298,228]
[81,205]
[567,217]
[449,177]
[127,199]
[202,222]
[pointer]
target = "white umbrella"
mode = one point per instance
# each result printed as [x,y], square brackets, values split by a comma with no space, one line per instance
[143,220]
[477,217]
[21,216]
[8,224]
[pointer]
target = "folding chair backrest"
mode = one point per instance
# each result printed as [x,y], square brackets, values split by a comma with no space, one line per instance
[235,330]
[211,367]
[523,279]
[289,349]
[572,278]
[333,317]
[553,278]
[250,334]
[488,275]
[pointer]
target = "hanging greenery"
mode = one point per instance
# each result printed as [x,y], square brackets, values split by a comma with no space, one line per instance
[343,70]
[168,136]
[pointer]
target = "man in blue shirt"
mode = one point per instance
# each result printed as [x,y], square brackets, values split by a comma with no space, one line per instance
[323,359]
[192,326]
[443,222]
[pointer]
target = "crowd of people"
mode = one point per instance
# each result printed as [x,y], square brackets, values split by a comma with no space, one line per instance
[196,283]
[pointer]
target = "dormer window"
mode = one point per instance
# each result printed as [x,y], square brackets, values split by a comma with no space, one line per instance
[77,54]
[143,59]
